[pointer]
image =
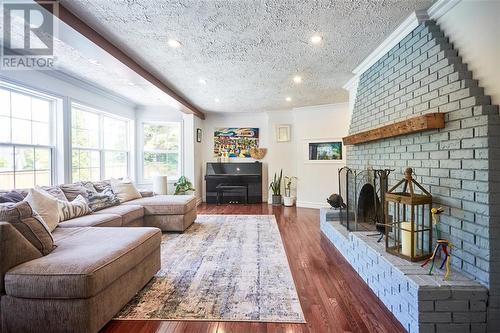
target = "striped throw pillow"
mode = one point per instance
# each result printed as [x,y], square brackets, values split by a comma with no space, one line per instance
[70,210]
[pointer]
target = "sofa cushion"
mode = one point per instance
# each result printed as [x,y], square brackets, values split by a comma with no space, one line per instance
[71,191]
[85,262]
[101,200]
[14,250]
[76,208]
[165,204]
[127,212]
[29,224]
[11,196]
[45,205]
[54,191]
[101,185]
[124,190]
[93,220]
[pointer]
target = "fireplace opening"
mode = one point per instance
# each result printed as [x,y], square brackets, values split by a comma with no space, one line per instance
[368,208]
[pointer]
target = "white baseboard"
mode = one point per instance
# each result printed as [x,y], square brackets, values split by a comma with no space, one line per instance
[309,204]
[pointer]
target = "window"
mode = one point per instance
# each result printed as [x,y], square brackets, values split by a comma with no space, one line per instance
[161,154]
[26,142]
[100,148]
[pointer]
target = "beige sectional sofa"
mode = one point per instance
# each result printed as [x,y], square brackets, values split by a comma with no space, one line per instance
[96,268]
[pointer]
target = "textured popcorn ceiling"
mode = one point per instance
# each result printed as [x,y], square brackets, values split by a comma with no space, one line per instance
[248,51]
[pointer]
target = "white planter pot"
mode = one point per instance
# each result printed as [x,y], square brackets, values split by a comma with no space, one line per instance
[288,201]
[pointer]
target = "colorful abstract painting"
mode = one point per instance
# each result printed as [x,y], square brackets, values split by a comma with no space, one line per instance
[235,142]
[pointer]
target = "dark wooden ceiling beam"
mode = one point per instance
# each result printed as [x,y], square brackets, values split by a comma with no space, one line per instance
[73,21]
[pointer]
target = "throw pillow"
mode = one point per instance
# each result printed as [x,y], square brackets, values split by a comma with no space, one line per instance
[55,191]
[70,210]
[11,196]
[101,200]
[101,185]
[45,205]
[124,190]
[29,224]
[89,186]
[71,191]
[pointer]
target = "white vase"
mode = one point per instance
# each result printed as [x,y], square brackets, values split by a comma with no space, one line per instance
[160,184]
[288,201]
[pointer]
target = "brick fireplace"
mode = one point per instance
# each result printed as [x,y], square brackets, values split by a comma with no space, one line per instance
[457,164]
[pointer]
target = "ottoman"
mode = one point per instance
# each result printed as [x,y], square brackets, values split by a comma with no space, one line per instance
[168,212]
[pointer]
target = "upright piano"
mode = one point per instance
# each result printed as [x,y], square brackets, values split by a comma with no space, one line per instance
[245,174]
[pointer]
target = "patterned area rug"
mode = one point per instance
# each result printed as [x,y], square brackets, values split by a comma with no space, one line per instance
[224,267]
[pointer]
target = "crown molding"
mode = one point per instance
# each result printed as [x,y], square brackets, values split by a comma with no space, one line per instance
[438,9]
[320,107]
[407,26]
[352,83]
[441,7]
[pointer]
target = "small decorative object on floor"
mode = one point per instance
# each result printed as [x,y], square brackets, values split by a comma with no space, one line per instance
[275,186]
[445,246]
[258,153]
[183,186]
[336,201]
[408,226]
[288,199]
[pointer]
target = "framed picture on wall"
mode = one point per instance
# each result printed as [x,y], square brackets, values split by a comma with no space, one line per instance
[324,151]
[198,135]
[283,133]
[232,142]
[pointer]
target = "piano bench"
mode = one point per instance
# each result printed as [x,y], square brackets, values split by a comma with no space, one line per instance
[225,188]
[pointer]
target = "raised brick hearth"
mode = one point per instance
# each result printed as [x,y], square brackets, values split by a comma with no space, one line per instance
[458,164]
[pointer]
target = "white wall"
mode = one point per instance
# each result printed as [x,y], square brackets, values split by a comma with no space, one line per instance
[213,121]
[316,181]
[473,26]
[281,155]
[193,156]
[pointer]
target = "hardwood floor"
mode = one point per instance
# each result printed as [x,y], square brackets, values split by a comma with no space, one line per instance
[332,295]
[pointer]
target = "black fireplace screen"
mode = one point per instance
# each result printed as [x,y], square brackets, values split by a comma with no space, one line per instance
[363,192]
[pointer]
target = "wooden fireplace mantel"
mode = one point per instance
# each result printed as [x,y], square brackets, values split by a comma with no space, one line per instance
[413,125]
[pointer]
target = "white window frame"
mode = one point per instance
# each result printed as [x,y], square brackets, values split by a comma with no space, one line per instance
[53,100]
[180,159]
[102,151]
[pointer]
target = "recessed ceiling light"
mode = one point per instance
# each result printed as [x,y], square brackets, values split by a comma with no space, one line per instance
[174,43]
[202,81]
[131,84]
[316,39]
[288,99]
[297,79]
[217,100]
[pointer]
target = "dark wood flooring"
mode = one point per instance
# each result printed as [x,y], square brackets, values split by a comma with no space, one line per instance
[332,295]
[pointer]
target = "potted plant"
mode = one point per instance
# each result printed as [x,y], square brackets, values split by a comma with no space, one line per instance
[275,186]
[183,186]
[288,199]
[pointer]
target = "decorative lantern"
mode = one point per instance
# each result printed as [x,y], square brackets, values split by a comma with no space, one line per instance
[408,232]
